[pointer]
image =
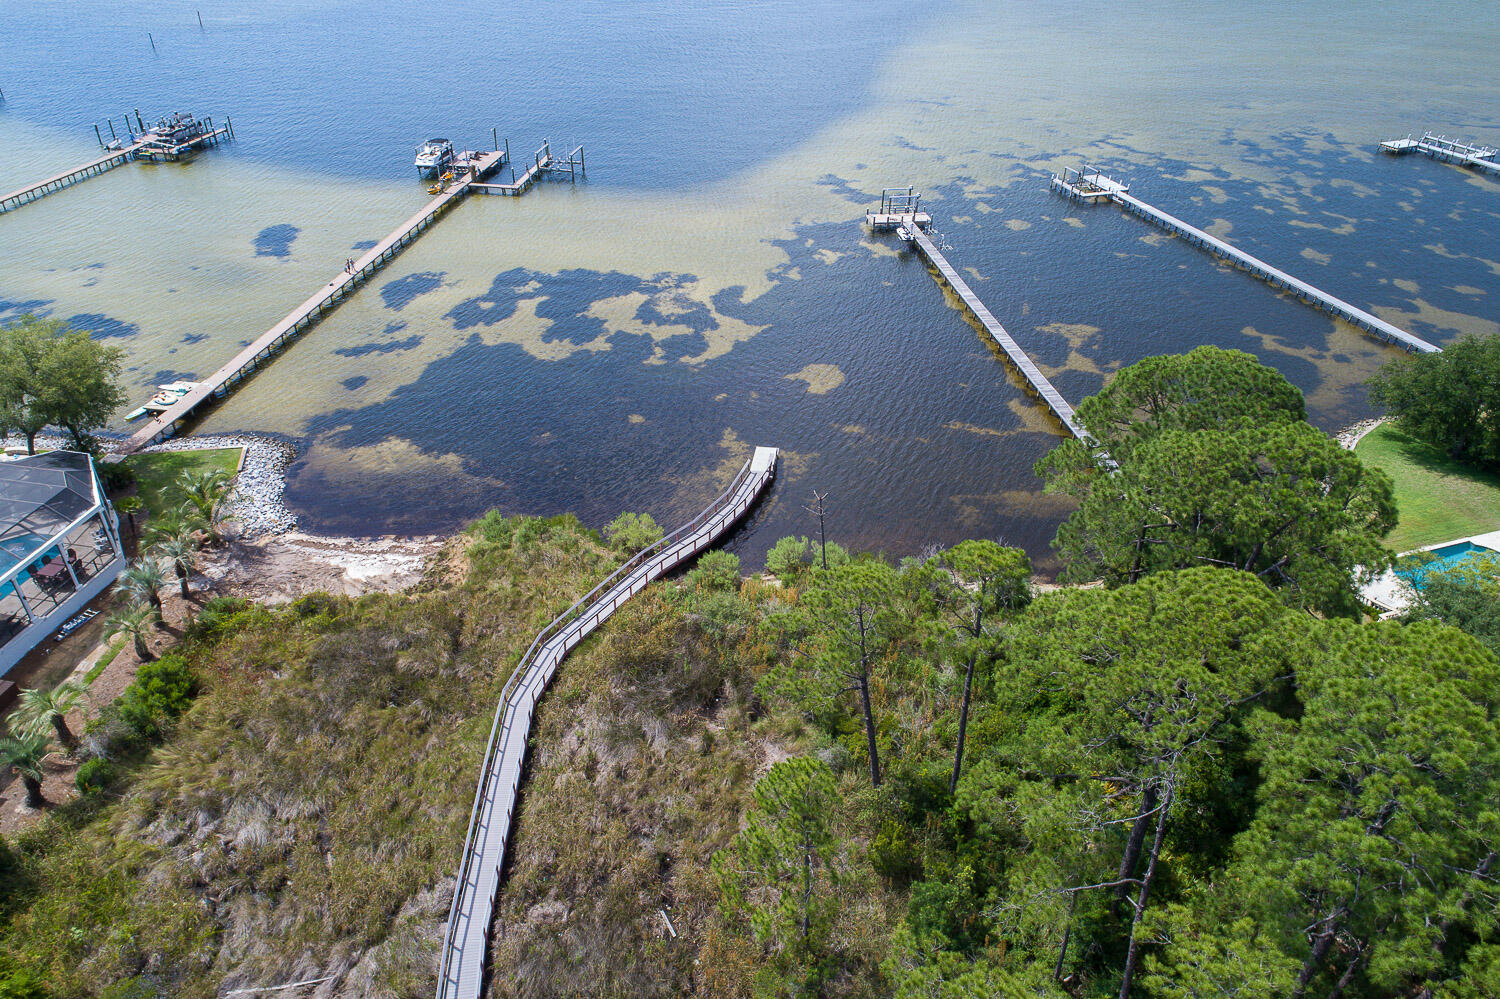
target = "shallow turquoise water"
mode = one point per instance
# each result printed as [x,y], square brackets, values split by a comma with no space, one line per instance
[621,344]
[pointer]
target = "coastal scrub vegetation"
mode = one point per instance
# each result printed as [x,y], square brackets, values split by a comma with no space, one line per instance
[1209,777]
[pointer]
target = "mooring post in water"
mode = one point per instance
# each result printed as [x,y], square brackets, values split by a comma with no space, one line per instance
[495,134]
[97,134]
[111,128]
[200,20]
[151,40]
[139,122]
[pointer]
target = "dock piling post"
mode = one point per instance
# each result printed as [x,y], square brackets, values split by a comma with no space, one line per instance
[111,128]
[139,122]
[495,134]
[98,135]
[200,20]
[151,40]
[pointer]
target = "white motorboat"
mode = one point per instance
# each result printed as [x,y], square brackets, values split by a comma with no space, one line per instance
[433,156]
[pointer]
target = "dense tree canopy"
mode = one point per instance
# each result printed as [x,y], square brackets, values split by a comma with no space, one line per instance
[1216,467]
[51,374]
[1449,399]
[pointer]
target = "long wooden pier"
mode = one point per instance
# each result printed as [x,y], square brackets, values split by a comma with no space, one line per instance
[68,178]
[461,974]
[269,343]
[149,146]
[902,213]
[1440,147]
[1093,186]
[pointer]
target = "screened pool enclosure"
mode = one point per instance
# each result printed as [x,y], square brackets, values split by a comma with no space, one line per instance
[59,546]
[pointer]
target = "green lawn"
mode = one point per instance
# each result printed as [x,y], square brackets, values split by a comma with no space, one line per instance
[1438,498]
[156,473]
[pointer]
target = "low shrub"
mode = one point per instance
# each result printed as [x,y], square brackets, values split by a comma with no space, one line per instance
[94,776]
[716,570]
[162,690]
[633,531]
[17,982]
[788,558]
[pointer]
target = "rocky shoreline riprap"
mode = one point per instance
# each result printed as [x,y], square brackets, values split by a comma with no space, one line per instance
[256,503]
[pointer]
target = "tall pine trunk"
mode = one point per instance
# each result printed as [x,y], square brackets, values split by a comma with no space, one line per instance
[1133,950]
[864,696]
[963,724]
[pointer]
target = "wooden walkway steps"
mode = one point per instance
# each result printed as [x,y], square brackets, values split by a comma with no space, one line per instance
[67,178]
[1095,186]
[269,343]
[466,943]
[1440,147]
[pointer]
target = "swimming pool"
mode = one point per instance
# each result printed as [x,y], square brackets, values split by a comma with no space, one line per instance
[1414,567]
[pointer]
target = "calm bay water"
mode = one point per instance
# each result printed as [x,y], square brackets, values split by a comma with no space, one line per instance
[621,344]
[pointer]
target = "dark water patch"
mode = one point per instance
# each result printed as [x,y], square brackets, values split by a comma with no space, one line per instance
[401,292]
[168,375]
[396,327]
[599,432]
[11,309]
[276,240]
[565,299]
[846,190]
[102,327]
[192,338]
[355,382]
[410,343]
[366,244]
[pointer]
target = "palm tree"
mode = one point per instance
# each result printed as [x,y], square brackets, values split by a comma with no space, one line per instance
[143,582]
[207,491]
[24,755]
[136,623]
[176,543]
[42,707]
[182,522]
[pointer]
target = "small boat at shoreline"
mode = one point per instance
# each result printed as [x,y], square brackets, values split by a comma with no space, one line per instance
[165,397]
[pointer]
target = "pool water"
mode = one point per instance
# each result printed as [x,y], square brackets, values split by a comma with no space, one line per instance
[1415,568]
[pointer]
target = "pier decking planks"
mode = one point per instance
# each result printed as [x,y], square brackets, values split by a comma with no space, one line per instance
[1027,368]
[466,940]
[1096,187]
[267,344]
[67,178]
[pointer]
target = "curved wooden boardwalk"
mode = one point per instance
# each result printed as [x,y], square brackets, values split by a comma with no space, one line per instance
[466,943]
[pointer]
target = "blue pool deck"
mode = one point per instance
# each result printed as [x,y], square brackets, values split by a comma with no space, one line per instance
[1392,592]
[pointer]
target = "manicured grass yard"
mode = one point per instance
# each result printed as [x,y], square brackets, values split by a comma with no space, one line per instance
[155,474]
[1438,498]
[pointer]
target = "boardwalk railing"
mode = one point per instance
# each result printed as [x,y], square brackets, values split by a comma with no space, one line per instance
[465,944]
[1093,186]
